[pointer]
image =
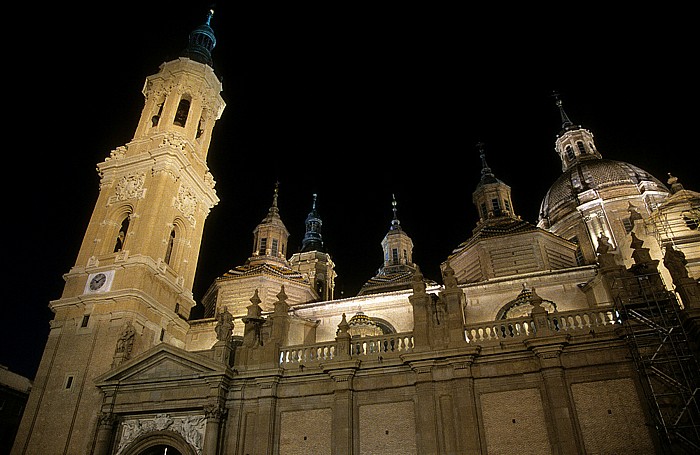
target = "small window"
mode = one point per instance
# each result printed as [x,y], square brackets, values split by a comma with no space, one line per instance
[162,334]
[496,206]
[183,109]
[395,256]
[581,148]
[570,152]
[86,319]
[121,237]
[156,118]
[263,247]
[274,247]
[69,382]
[169,249]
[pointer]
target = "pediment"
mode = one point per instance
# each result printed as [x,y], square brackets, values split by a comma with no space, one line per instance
[162,362]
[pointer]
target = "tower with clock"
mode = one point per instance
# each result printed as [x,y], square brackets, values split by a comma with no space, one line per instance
[136,265]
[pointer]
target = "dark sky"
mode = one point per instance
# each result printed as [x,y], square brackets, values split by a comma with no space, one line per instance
[352,102]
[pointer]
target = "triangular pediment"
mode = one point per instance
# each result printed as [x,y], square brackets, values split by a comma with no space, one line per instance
[162,362]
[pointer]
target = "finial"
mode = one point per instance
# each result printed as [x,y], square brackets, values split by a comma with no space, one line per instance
[276,193]
[485,169]
[565,122]
[394,222]
[209,15]
[673,181]
[313,205]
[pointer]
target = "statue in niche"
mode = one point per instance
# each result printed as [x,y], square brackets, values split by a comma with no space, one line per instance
[125,343]
[603,244]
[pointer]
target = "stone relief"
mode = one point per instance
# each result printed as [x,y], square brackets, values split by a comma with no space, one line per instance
[186,202]
[129,187]
[189,427]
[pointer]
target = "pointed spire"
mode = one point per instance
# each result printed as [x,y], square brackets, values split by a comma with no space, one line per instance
[274,210]
[201,42]
[395,223]
[565,122]
[485,169]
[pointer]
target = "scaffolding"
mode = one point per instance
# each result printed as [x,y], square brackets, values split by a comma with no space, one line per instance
[665,358]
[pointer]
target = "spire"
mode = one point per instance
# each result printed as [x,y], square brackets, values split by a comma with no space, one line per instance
[274,211]
[491,197]
[201,42]
[574,143]
[395,223]
[312,240]
[565,122]
[270,236]
[485,169]
[486,173]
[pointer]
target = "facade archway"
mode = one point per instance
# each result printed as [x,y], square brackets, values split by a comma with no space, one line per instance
[156,443]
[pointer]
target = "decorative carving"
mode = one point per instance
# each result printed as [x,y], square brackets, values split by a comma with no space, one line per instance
[448,277]
[186,202]
[129,187]
[191,428]
[125,343]
[214,411]
[417,282]
[175,141]
[117,154]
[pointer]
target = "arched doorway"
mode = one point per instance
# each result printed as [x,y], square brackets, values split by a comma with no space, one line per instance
[159,443]
[161,449]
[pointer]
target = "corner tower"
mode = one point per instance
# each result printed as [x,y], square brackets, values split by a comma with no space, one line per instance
[131,285]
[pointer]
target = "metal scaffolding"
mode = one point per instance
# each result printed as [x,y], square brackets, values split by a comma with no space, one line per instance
[664,357]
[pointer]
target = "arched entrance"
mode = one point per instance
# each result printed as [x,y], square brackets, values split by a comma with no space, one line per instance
[159,443]
[161,449]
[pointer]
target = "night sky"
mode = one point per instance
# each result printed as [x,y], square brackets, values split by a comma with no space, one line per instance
[353,102]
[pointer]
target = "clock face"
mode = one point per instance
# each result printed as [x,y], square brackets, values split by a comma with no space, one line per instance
[98,281]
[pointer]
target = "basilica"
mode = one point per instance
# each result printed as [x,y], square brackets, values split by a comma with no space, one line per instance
[575,334]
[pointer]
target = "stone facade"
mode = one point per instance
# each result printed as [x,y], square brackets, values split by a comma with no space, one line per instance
[529,344]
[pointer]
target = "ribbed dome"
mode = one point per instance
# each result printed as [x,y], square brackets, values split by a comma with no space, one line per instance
[594,174]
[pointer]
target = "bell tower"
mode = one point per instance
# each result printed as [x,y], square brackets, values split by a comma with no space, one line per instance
[131,285]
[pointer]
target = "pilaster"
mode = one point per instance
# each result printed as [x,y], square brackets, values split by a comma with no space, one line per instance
[557,405]
[343,407]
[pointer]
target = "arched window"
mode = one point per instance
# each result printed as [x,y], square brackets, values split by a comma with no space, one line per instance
[121,237]
[569,152]
[156,118]
[169,249]
[183,109]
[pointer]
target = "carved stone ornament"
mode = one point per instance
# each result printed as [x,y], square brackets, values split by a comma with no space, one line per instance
[186,202]
[191,428]
[117,154]
[173,140]
[129,187]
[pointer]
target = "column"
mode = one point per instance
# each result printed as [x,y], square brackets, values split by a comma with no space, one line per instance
[214,414]
[105,431]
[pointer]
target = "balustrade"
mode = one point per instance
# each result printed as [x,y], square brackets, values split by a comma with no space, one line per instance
[566,321]
[398,343]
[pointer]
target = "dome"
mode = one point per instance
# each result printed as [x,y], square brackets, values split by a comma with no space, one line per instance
[594,174]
